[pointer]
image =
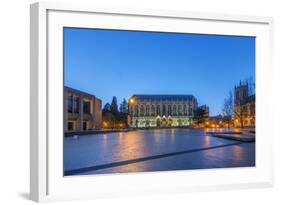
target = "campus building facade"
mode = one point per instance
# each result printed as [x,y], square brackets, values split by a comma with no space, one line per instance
[82,111]
[244,106]
[161,110]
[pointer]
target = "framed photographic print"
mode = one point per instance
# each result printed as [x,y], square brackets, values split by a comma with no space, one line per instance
[128,101]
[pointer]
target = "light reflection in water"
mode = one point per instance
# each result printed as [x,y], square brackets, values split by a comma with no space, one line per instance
[222,130]
[237,130]
[120,135]
[104,137]
[132,147]
[115,147]
[238,153]
[104,141]
[207,141]
[173,136]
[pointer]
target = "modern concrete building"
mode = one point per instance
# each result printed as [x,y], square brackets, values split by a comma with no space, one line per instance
[82,111]
[161,110]
[244,106]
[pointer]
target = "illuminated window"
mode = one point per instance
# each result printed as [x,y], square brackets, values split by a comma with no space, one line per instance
[164,110]
[158,110]
[174,110]
[184,109]
[169,110]
[131,110]
[141,110]
[136,111]
[152,110]
[147,110]
[179,110]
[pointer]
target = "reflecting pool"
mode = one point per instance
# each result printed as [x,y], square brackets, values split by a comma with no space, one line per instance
[153,150]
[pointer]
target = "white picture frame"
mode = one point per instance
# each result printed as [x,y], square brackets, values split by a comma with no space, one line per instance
[46,87]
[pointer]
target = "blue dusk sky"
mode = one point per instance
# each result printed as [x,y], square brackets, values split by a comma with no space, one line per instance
[109,63]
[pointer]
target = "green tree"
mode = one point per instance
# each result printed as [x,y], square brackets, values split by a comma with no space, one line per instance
[124,106]
[106,107]
[114,106]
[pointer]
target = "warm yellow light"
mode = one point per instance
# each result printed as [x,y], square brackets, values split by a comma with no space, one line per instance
[132,100]
[237,130]
[105,124]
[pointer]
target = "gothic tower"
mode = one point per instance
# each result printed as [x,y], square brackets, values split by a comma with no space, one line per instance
[241,93]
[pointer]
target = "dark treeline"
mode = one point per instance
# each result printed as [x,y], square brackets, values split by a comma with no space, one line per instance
[114,117]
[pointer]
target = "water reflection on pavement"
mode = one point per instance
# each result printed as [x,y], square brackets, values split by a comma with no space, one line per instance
[102,149]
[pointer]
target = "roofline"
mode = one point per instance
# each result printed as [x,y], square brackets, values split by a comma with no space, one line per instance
[175,95]
[81,92]
[162,95]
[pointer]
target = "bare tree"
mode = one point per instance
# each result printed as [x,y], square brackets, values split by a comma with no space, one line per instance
[228,109]
[240,111]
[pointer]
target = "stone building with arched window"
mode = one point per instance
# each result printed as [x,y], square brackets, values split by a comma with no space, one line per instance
[161,110]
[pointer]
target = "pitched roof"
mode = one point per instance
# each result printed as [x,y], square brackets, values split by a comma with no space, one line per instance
[164,97]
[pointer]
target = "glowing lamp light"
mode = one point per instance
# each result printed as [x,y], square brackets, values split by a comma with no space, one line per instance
[132,100]
[105,124]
